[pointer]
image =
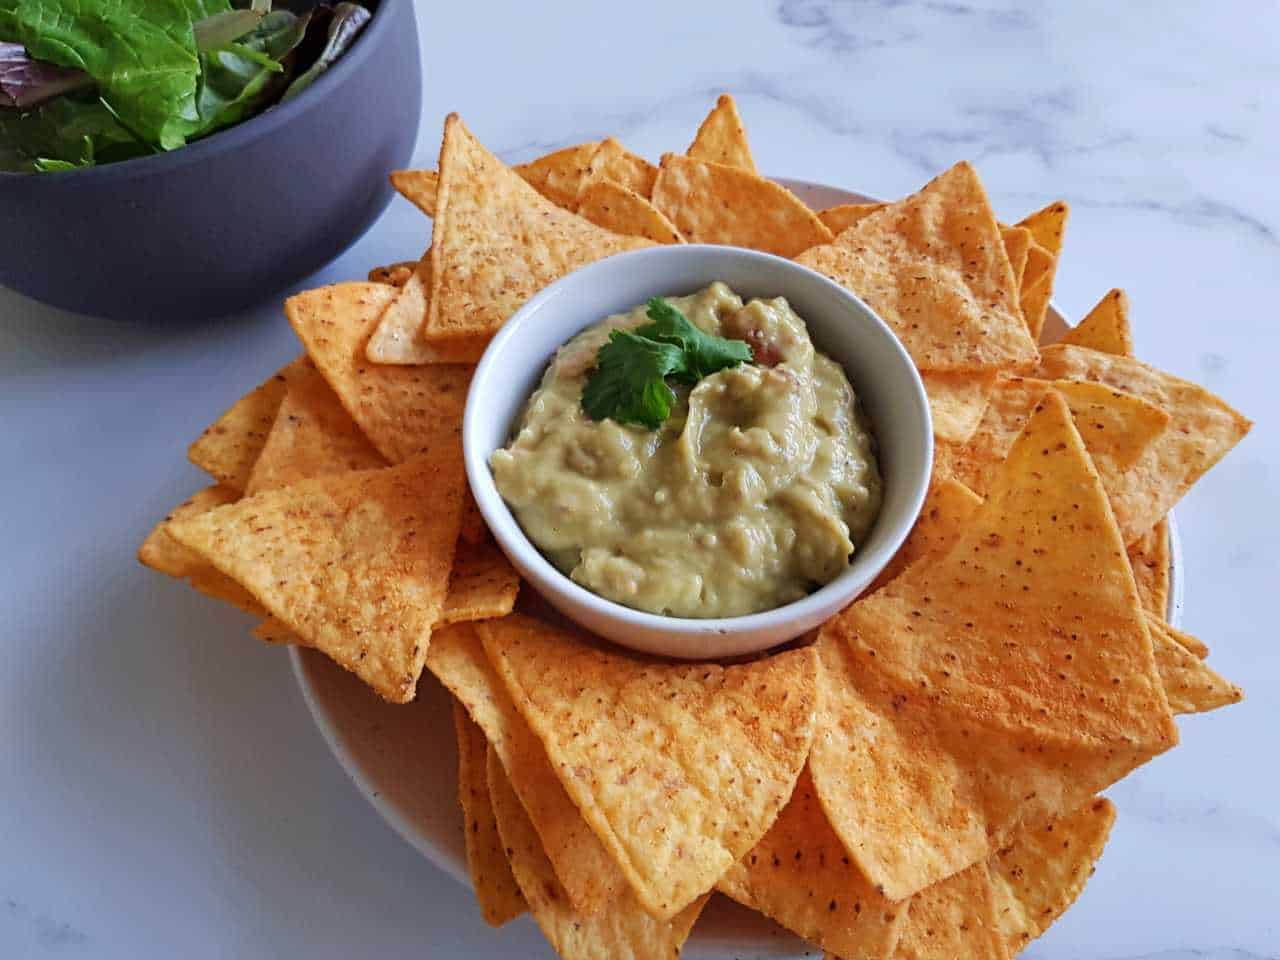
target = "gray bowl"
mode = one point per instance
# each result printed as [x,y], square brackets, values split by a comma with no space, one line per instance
[229,221]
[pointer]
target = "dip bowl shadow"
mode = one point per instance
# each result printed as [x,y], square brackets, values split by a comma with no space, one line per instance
[841,326]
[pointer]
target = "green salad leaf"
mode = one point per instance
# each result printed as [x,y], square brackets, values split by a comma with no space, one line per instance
[629,383]
[630,380]
[345,25]
[142,53]
[62,134]
[237,79]
[704,352]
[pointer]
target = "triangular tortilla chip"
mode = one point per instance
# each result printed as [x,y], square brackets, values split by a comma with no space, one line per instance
[840,218]
[482,586]
[313,435]
[1105,327]
[955,919]
[625,929]
[1048,226]
[678,768]
[1202,429]
[800,876]
[497,241]
[1043,870]
[957,401]
[613,161]
[398,337]
[591,879]
[712,203]
[393,274]
[1036,289]
[1193,645]
[1117,428]
[357,564]
[1017,243]
[402,410]
[419,187]
[229,447]
[166,555]
[496,890]
[1151,558]
[557,176]
[933,266]
[1189,683]
[947,507]
[972,693]
[722,138]
[614,207]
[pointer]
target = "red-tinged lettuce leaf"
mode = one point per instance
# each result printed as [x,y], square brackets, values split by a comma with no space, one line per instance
[26,82]
[344,25]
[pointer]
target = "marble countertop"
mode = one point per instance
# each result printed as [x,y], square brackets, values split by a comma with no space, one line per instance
[164,790]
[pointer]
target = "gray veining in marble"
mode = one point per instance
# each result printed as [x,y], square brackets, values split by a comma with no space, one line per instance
[164,791]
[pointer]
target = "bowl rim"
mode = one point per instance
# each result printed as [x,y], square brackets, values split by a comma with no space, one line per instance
[237,135]
[547,579]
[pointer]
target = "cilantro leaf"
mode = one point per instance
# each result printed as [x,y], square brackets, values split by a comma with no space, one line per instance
[629,383]
[704,353]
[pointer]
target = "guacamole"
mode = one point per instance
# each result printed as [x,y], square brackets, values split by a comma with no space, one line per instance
[753,492]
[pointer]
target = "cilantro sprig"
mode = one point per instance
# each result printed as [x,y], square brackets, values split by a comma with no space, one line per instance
[629,383]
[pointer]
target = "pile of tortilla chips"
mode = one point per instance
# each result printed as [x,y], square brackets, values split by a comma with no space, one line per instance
[918,781]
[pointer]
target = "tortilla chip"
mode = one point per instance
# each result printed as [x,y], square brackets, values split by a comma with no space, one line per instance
[840,218]
[398,337]
[679,768]
[474,530]
[1043,870]
[800,876]
[1117,430]
[973,692]
[953,919]
[483,584]
[1017,244]
[613,161]
[722,138]
[166,555]
[419,187]
[393,274]
[1151,558]
[229,447]
[402,410]
[933,266]
[357,564]
[1036,289]
[1202,429]
[957,401]
[591,879]
[712,203]
[496,890]
[947,507]
[1105,327]
[313,435]
[614,207]
[624,930]
[1048,226]
[1188,682]
[557,176]
[1193,645]
[497,242]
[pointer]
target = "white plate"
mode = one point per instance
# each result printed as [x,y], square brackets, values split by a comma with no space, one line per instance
[404,760]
